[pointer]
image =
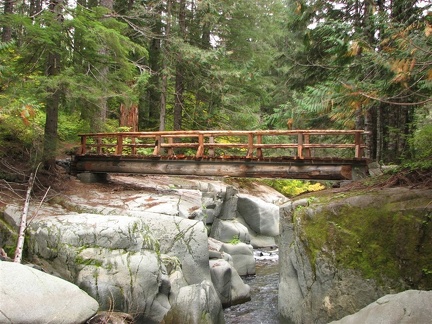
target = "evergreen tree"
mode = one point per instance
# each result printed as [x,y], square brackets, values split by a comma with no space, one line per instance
[361,67]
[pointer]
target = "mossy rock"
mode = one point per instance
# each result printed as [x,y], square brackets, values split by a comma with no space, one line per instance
[8,238]
[385,234]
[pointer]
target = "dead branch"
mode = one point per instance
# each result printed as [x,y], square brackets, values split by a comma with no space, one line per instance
[23,225]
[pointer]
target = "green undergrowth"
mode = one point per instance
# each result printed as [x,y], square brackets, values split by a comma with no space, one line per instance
[8,238]
[287,187]
[292,188]
[389,245]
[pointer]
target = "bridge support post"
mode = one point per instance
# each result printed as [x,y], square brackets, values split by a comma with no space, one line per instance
[90,177]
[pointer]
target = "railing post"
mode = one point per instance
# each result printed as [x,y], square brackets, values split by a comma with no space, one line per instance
[259,149]
[98,145]
[211,150]
[300,145]
[200,149]
[170,150]
[157,147]
[133,143]
[358,145]
[119,146]
[307,152]
[83,145]
[249,153]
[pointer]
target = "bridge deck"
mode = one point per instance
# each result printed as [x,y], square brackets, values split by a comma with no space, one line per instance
[295,154]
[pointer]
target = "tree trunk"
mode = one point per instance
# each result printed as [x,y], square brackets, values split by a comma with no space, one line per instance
[164,83]
[368,125]
[178,100]
[35,7]
[53,98]
[179,81]
[23,224]
[52,111]
[102,115]
[7,30]
[379,134]
[150,101]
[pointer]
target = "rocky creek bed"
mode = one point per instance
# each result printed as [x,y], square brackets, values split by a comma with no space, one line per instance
[176,250]
[157,248]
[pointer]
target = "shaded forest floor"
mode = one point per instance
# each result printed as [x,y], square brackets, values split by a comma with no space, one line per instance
[414,179]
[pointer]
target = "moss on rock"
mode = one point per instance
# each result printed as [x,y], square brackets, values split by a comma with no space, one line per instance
[387,238]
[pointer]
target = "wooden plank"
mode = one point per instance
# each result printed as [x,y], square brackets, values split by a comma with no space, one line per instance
[234,133]
[246,140]
[289,170]
[306,140]
[300,146]
[170,148]
[258,146]
[250,146]
[180,145]
[200,149]
[83,149]
[119,147]
[211,150]
[157,145]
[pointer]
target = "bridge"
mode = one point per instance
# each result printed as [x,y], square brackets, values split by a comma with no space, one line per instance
[290,154]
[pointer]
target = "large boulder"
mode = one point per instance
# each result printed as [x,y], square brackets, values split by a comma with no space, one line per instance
[228,284]
[242,257]
[262,217]
[31,296]
[229,231]
[116,259]
[411,306]
[339,253]
[229,208]
[184,239]
[196,304]
[257,240]
[126,281]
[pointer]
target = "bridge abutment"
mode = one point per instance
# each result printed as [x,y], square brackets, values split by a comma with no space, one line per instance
[91,177]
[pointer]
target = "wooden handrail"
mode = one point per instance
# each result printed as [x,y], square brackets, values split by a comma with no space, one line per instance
[128,143]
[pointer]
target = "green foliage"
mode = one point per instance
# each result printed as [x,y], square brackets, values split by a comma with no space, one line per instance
[422,140]
[235,240]
[292,188]
[237,65]
[420,156]
[20,134]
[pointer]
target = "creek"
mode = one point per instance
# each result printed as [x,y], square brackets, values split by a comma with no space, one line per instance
[263,306]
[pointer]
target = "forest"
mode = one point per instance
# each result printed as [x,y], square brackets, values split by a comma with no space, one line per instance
[68,67]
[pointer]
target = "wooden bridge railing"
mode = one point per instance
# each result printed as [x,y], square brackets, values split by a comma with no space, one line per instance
[205,142]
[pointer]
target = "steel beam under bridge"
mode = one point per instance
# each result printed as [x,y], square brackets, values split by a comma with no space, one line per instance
[286,168]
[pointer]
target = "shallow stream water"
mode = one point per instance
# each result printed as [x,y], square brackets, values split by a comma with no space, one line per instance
[263,307]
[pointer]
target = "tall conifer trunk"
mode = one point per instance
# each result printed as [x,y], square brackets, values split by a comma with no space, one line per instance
[164,79]
[7,30]
[100,118]
[179,77]
[53,97]
[150,102]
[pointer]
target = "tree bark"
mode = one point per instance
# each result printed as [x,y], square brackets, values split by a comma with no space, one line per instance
[179,79]
[7,30]
[23,224]
[101,117]
[164,81]
[150,101]
[53,98]
[379,134]
[35,7]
